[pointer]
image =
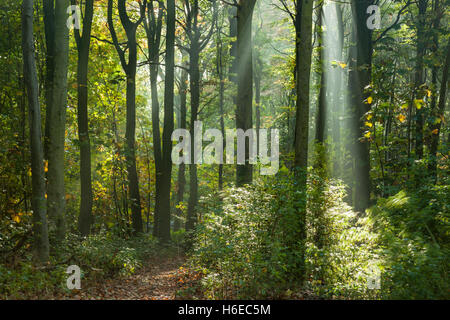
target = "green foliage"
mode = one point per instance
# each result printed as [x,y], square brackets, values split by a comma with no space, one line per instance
[101,256]
[244,244]
[413,230]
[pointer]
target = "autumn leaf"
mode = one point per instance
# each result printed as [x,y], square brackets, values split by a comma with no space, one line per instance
[369,124]
[401,118]
[369,100]
[435,131]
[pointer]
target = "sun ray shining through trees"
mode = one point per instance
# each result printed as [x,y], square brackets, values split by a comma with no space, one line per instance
[224,149]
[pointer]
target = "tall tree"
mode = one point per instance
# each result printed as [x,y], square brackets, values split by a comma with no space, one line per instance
[129,67]
[439,113]
[321,106]
[83,41]
[182,124]
[360,78]
[164,215]
[153,27]
[198,38]
[38,202]
[419,74]
[244,101]
[303,26]
[56,121]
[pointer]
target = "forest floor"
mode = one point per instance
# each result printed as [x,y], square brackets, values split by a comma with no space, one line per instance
[161,278]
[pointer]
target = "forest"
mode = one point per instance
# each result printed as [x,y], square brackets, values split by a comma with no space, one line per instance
[224,149]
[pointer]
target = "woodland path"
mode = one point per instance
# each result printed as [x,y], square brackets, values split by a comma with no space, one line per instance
[159,279]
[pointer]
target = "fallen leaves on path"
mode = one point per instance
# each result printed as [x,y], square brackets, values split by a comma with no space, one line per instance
[157,280]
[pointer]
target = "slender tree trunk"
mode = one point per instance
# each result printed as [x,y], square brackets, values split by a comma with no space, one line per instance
[244,102]
[434,141]
[164,218]
[182,168]
[303,62]
[439,115]
[153,26]
[321,108]
[338,101]
[57,116]
[130,127]
[83,44]
[362,78]
[49,27]
[38,201]
[303,24]
[194,75]
[418,75]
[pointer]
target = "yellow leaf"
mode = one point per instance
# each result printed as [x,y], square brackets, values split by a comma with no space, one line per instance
[401,118]
[429,93]
[369,124]
[418,103]
[342,65]
[16,218]
[369,116]
[367,134]
[435,131]
[369,100]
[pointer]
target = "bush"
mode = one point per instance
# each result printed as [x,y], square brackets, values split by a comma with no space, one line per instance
[99,257]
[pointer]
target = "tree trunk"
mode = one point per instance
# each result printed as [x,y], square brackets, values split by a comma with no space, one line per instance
[182,168]
[361,74]
[418,75]
[153,26]
[49,27]
[321,107]
[130,130]
[83,44]
[164,218]
[439,115]
[303,62]
[56,201]
[194,75]
[244,100]
[37,154]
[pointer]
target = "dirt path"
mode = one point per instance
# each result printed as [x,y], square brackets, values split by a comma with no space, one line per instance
[158,280]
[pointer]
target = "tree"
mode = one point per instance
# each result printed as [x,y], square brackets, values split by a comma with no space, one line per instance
[303,27]
[164,217]
[244,101]
[182,124]
[56,200]
[38,202]
[83,42]
[321,107]
[360,79]
[198,38]
[153,27]
[130,71]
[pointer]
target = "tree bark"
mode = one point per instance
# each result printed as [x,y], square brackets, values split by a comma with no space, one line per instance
[56,200]
[244,102]
[153,26]
[321,107]
[130,130]
[38,201]
[303,62]
[181,181]
[418,75]
[361,73]
[164,218]
[83,41]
